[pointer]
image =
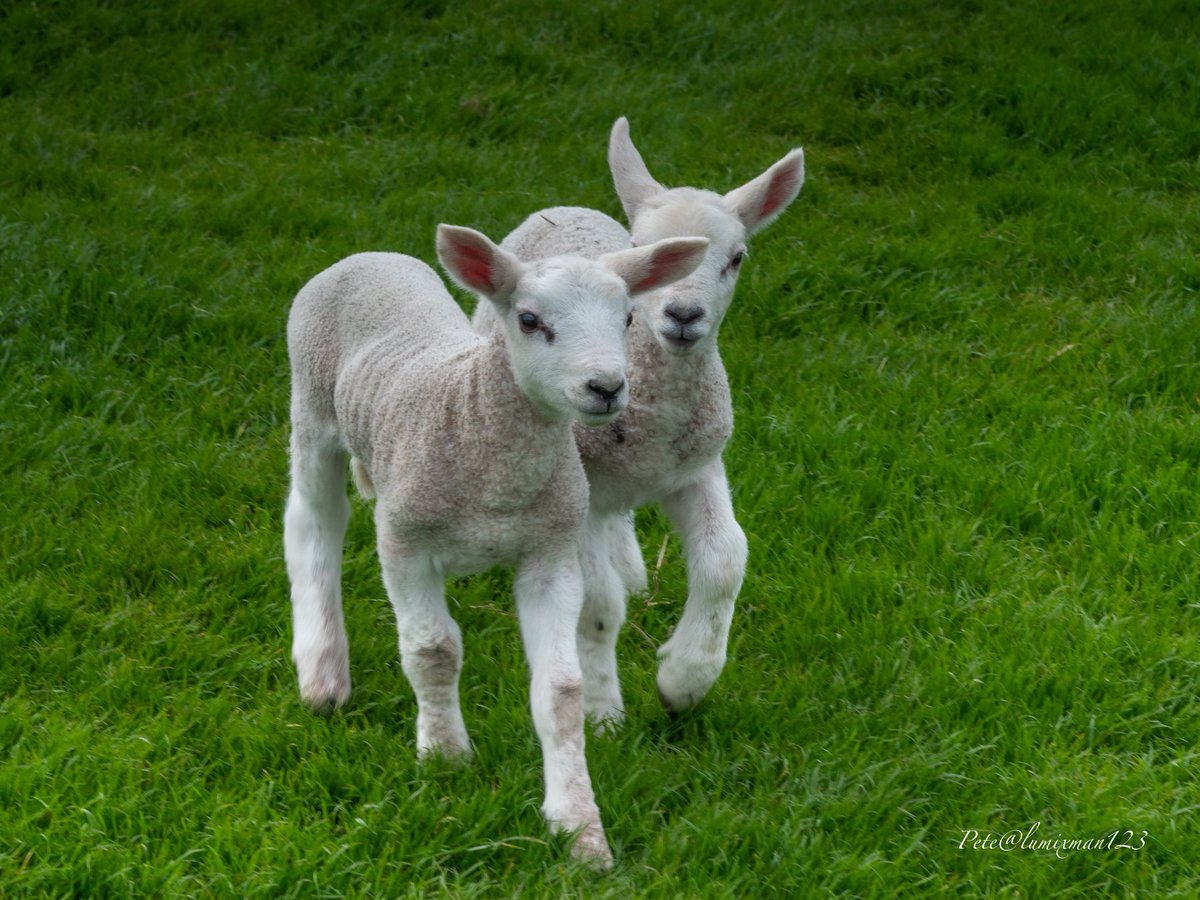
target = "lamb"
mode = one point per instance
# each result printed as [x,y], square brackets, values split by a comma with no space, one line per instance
[466,445]
[666,446]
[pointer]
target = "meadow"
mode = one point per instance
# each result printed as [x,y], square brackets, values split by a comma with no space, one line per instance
[967,453]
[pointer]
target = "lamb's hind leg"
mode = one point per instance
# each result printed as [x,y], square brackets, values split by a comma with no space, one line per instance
[715,547]
[431,649]
[600,620]
[627,553]
[549,595]
[313,530]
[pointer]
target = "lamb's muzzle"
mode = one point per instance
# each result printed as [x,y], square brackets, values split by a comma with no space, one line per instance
[685,326]
[607,394]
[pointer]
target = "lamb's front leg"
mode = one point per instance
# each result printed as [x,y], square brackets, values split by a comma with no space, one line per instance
[716,551]
[549,594]
[431,650]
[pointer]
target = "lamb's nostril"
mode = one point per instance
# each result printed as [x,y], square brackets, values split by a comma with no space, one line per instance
[607,394]
[684,315]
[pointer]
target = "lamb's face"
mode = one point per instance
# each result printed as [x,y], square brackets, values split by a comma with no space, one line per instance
[684,316]
[566,327]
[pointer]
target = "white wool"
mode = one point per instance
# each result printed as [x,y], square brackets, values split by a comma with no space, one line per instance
[666,446]
[466,443]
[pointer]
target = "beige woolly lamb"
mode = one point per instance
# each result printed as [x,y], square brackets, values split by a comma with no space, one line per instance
[467,444]
[666,446]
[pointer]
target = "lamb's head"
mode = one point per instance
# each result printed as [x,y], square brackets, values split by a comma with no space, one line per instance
[686,316]
[565,318]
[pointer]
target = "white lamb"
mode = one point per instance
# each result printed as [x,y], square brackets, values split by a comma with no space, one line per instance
[666,446]
[466,443]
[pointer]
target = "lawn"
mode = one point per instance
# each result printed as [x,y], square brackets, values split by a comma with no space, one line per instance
[966,376]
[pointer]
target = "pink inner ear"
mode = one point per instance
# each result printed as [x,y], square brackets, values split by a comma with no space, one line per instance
[780,191]
[662,265]
[474,266]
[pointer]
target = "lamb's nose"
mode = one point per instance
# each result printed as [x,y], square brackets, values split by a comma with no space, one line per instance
[607,394]
[684,315]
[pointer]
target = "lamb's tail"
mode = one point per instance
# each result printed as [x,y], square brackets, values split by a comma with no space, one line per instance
[362,479]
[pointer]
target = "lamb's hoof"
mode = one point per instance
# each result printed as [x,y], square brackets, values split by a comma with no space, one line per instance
[591,848]
[324,695]
[609,724]
[672,713]
[605,715]
[324,677]
[682,685]
[456,751]
[324,708]
[446,753]
[588,844]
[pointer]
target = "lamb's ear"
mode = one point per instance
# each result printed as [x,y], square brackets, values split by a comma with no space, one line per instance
[646,268]
[476,263]
[630,176]
[758,202]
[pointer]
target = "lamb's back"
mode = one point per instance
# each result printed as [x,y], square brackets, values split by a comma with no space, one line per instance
[566,231]
[361,300]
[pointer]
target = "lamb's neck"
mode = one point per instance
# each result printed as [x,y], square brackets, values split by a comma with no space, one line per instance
[685,371]
[492,398]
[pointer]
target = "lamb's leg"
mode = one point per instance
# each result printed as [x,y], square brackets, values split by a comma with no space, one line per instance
[549,596]
[313,529]
[627,553]
[715,547]
[600,620]
[431,650]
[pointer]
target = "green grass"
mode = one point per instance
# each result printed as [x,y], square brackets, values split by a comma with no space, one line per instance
[967,456]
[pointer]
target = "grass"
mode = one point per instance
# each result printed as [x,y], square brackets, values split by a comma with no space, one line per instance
[968,395]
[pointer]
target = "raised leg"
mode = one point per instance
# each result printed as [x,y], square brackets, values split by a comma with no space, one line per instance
[715,547]
[431,650]
[604,593]
[313,530]
[549,596]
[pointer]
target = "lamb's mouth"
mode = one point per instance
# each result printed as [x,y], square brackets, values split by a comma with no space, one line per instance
[680,339]
[594,418]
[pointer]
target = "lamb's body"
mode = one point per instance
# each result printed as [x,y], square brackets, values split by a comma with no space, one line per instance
[678,419]
[466,443]
[412,374]
[666,446]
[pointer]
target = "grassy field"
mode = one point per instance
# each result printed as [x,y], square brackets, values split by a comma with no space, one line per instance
[967,388]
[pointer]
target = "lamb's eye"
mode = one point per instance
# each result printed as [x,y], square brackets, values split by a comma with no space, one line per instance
[736,261]
[529,322]
[629,320]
